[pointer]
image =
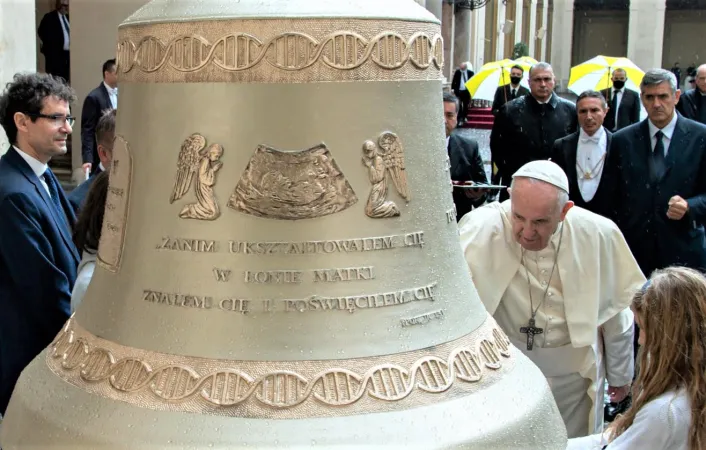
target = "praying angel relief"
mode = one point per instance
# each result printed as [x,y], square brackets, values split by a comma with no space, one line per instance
[196,161]
[387,157]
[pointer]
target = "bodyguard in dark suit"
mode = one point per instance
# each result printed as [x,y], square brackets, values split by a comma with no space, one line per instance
[661,186]
[692,104]
[38,259]
[465,161]
[100,99]
[624,102]
[526,128]
[105,135]
[585,157]
[509,92]
[54,31]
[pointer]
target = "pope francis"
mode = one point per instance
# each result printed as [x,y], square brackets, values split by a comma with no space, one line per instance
[559,280]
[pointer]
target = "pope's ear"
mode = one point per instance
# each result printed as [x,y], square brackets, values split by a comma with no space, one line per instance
[566,209]
[509,191]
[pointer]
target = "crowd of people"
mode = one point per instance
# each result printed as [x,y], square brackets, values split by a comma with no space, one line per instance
[596,203]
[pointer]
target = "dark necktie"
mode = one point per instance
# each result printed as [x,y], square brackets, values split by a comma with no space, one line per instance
[65,22]
[54,193]
[514,93]
[614,108]
[658,156]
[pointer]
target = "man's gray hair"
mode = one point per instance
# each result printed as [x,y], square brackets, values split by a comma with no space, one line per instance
[561,195]
[541,66]
[654,77]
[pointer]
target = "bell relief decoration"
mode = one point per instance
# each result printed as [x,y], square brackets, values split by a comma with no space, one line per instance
[198,165]
[292,185]
[385,157]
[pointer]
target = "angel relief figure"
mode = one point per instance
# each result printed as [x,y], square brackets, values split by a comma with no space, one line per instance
[386,157]
[203,162]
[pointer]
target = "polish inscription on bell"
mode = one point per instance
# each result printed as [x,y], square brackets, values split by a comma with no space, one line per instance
[112,239]
[366,244]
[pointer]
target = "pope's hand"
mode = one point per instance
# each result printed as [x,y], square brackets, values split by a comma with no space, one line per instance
[677,208]
[618,394]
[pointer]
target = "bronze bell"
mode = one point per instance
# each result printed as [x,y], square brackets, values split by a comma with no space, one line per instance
[279,263]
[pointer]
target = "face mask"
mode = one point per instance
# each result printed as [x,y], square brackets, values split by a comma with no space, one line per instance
[618,84]
[515,80]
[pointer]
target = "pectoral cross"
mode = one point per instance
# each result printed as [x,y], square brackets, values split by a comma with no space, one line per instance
[530,330]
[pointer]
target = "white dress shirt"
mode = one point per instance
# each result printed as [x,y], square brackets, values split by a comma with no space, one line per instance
[66,28]
[113,94]
[590,159]
[464,79]
[668,132]
[37,167]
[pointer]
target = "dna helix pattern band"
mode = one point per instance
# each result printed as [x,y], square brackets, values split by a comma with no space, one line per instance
[79,361]
[289,51]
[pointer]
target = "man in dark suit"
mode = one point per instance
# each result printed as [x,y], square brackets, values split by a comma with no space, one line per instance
[458,85]
[105,135]
[54,32]
[661,186]
[38,259]
[509,92]
[624,104]
[100,99]
[585,157]
[692,104]
[465,161]
[526,128]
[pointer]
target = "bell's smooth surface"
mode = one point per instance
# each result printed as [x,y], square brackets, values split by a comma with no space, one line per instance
[279,263]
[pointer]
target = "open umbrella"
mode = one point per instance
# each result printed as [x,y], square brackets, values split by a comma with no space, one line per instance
[595,74]
[486,81]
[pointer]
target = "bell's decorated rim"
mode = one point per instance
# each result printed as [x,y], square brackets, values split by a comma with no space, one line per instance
[281,389]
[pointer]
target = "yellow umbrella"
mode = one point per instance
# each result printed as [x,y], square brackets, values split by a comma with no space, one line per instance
[486,81]
[595,74]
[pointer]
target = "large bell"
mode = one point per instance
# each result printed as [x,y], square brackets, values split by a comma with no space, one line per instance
[279,263]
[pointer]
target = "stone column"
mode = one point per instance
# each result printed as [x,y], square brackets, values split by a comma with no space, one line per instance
[435,7]
[94,36]
[562,36]
[462,36]
[646,33]
[499,35]
[478,38]
[447,33]
[532,28]
[18,45]
[545,29]
[519,7]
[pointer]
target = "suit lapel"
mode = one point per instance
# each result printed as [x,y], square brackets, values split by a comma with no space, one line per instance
[570,155]
[61,223]
[677,145]
[453,155]
[106,96]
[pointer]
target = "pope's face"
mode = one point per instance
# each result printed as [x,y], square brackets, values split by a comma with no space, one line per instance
[535,213]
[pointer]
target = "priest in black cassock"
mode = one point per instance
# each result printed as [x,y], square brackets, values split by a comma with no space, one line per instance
[585,157]
[525,129]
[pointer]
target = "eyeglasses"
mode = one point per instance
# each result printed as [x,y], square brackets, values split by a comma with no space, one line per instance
[58,119]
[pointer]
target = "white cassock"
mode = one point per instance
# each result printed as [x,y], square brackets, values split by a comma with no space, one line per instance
[662,424]
[588,326]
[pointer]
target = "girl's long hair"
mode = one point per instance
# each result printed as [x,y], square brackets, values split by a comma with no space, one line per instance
[87,230]
[671,309]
